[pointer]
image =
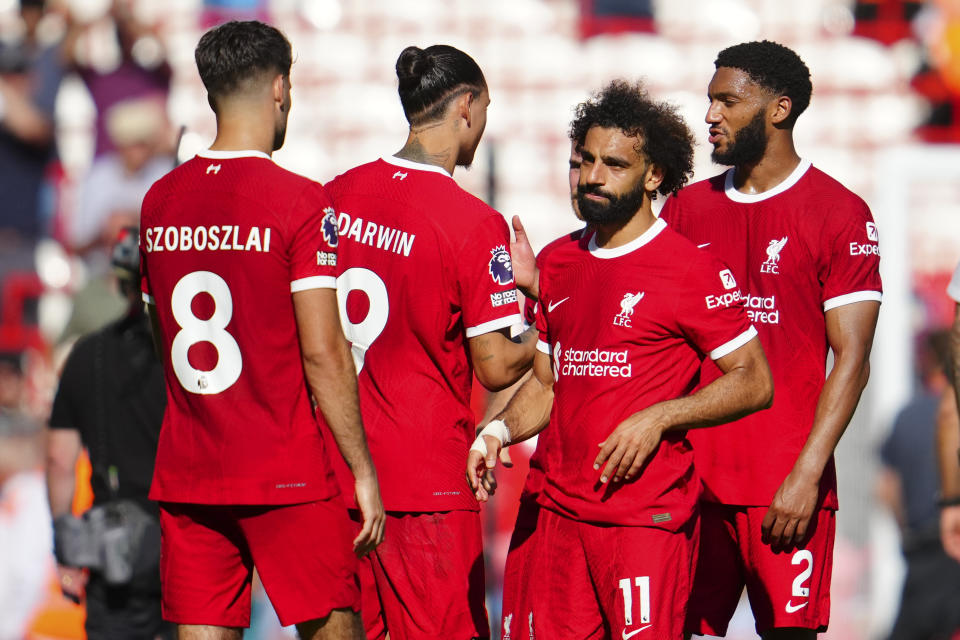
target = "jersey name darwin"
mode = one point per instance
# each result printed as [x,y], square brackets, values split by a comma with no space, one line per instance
[227,237]
[375,235]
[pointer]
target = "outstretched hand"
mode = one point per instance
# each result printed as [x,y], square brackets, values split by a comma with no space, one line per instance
[524,262]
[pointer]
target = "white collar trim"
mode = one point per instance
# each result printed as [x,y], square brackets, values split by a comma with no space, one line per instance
[216,154]
[739,196]
[645,237]
[419,166]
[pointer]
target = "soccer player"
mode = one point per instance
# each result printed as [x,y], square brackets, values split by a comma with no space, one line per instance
[427,298]
[238,278]
[805,253]
[516,607]
[625,316]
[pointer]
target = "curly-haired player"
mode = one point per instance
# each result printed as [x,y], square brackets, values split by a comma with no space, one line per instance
[626,314]
[805,253]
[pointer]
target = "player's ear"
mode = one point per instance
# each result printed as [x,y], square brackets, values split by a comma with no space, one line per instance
[462,105]
[278,90]
[782,108]
[653,178]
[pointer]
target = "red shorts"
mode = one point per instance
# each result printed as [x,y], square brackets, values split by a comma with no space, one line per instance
[596,581]
[518,578]
[426,580]
[786,589]
[302,552]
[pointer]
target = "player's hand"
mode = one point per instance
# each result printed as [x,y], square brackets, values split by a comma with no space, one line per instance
[367,493]
[73,583]
[524,262]
[950,530]
[625,451]
[480,467]
[788,517]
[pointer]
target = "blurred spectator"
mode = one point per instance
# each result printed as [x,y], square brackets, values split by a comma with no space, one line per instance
[30,74]
[24,523]
[135,67]
[11,381]
[908,484]
[948,437]
[112,191]
[111,400]
[109,199]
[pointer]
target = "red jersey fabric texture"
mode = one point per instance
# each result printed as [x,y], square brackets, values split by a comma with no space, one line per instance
[621,347]
[538,461]
[424,266]
[797,250]
[225,239]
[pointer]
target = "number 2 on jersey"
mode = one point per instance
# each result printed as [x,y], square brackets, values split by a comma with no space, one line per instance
[363,333]
[193,330]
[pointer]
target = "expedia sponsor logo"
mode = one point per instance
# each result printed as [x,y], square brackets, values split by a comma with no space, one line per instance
[592,363]
[857,249]
[724,299]
[872,233]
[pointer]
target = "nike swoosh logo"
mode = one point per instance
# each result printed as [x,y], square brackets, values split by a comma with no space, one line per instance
[793,608]
[554,305]
[701,246]
[626,635]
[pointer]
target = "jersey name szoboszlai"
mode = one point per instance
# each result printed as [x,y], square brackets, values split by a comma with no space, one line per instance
[225,237]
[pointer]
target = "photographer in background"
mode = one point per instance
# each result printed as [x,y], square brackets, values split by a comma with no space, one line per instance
[111,400]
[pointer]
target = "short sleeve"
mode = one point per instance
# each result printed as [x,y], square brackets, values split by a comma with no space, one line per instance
[953,289]
[711,313]
[850,267]
[488,296]
[313,241]
[543,334]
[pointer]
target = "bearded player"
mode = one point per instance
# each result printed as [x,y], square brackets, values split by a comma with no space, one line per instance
[246,319]
[625,316]
[516,607]
[427,299]
[804,251]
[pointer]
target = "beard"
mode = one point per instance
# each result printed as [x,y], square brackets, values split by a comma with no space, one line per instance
[747,147]
[279,135]
[617,211]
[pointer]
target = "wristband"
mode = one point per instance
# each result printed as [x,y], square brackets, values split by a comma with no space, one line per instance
[495,429]
[949,502]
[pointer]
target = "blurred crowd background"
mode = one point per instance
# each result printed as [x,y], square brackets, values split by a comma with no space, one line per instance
[98,98]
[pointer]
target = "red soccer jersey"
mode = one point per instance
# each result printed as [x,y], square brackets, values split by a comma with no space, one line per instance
[621,347]
[424,266]
[225,238]
[797,250]
[538,461]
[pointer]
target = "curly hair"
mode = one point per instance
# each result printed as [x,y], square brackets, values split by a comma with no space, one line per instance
[774,67]
[663,137]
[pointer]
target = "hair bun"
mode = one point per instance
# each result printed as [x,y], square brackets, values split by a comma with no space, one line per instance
[412,64]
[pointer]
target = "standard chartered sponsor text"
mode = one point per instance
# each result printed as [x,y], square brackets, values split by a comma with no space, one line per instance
[594,363]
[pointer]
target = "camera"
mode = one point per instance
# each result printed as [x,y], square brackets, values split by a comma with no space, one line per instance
[108,538]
